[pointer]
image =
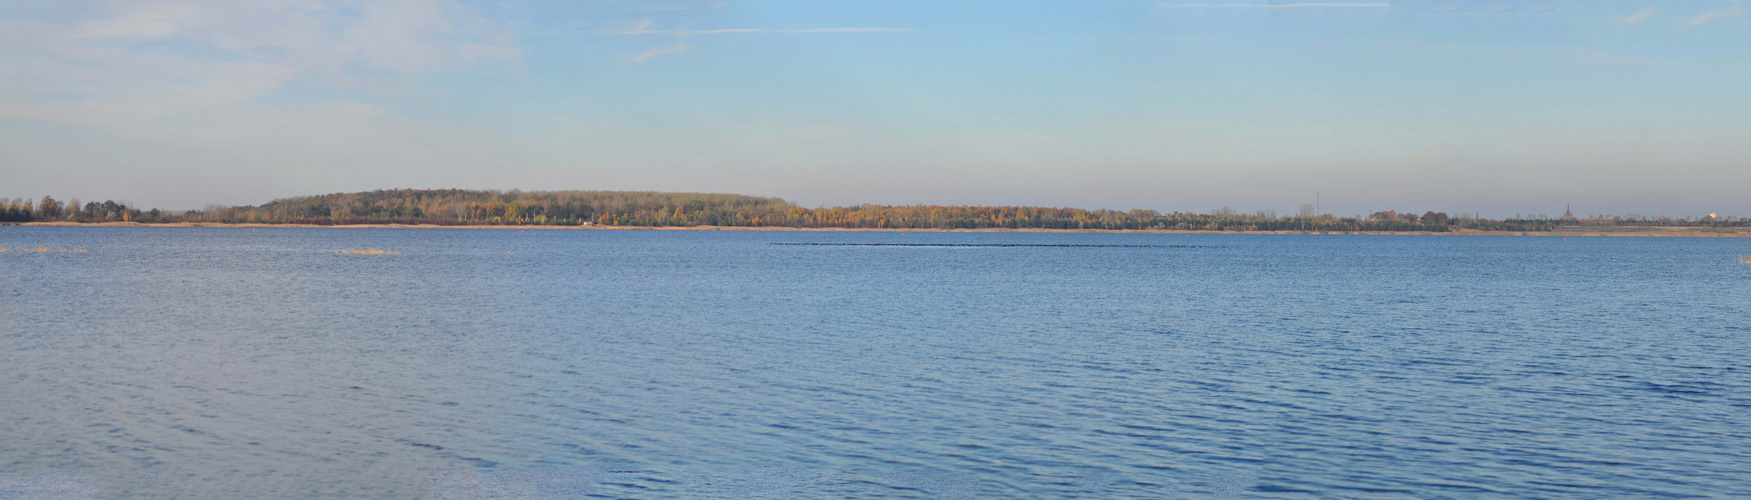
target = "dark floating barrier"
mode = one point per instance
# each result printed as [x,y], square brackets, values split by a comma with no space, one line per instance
[984,245]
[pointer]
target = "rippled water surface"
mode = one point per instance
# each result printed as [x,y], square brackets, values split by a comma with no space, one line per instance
[239,363]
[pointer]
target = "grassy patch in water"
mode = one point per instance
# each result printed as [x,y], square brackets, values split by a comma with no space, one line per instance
[43,249]
[365,251]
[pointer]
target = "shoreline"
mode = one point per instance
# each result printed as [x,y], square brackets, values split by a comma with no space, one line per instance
[1639,231]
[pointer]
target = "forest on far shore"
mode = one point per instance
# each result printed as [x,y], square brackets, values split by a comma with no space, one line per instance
[655,209]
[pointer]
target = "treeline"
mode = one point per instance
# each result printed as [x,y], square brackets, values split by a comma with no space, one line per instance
[653,209]
[50,209]
[456,206]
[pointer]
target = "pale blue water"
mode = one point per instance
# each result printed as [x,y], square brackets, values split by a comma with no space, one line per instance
[237,363]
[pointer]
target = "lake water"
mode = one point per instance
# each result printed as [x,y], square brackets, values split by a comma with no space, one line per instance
[238,363]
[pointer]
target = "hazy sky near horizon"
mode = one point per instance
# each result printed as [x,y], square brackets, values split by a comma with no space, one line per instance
[1462,106]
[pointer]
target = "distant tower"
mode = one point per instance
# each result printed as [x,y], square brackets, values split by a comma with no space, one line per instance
[1568,215]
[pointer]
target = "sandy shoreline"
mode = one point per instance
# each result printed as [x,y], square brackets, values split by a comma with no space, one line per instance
[1694,232]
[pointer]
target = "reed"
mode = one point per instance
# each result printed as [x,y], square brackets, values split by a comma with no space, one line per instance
[365,251]
[44,249]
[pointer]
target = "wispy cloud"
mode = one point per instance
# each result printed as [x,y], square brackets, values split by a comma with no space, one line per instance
[847,30]
[644,28]
[680,46]
[1641,16]
[1274,6]
[677,8]
[250,51]
[1474,9]
[1299,5]
[1211,5]
[269,86]
[1734,11]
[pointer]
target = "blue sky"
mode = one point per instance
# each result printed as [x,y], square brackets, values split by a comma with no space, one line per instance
[1461,106]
